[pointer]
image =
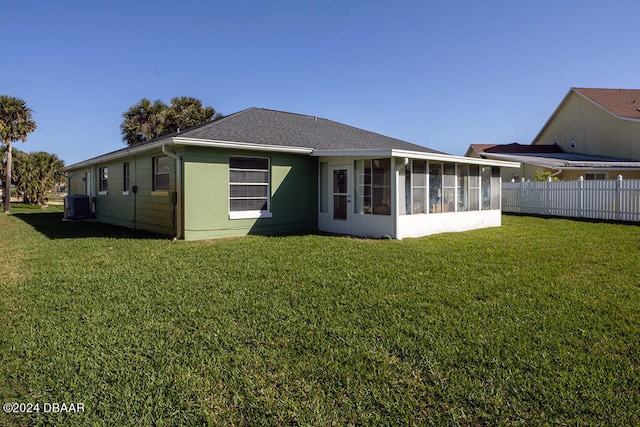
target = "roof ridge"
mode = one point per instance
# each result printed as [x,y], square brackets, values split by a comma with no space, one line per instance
[292,113]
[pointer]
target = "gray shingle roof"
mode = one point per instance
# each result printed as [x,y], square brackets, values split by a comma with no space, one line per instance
[270,127]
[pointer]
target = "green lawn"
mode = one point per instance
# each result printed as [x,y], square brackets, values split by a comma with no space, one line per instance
[533,323]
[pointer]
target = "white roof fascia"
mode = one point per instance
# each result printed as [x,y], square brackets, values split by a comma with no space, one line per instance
[414,155]
[191,142]
[352,153]
[457,159]
[240,145]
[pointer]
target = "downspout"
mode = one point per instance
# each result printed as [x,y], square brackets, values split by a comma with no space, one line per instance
[178,190]
[556,174]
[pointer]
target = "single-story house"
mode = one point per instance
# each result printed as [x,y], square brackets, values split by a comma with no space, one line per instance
[262,171]
[593,133]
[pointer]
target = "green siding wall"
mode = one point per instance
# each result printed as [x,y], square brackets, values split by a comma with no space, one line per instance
[206,195]
[144,210]
[76,182]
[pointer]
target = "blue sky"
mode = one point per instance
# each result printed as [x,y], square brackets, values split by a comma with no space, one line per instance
[440,74]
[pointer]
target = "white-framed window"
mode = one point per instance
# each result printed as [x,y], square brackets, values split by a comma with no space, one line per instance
[496,184]
[485,188]
[435,187]
[474,187]
[449,187]
[249,187]
[324,187]
[416,188]
[126,186]
[596,176]
[373,187]
[103,176]
[161,169]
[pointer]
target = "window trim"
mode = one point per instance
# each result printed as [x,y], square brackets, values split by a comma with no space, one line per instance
[250,214]
[126,178]
[365,179]
[155,174]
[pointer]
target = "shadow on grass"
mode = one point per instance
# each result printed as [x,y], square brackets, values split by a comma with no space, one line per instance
[52,226]
[574,218]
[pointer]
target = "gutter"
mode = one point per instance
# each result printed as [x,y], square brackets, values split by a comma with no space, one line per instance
[178,202]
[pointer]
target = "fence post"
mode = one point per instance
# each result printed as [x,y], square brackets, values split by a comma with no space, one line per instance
[618,196]
[549,200]
[580,195]
[521,195]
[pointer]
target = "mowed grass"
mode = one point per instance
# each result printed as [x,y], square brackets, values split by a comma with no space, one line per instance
[533,323]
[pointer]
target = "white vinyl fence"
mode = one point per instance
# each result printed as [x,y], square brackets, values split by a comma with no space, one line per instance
[610,200]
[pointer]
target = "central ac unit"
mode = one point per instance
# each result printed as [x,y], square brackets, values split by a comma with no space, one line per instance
[76,206]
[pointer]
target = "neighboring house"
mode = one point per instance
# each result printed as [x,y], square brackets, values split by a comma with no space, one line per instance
[593,133]
[262,172]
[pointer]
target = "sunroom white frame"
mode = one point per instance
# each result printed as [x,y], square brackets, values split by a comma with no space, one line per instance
[399,225]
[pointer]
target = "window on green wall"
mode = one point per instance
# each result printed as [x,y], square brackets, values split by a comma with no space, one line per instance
[249,187]
[104,180]
[126,181]
[161,169]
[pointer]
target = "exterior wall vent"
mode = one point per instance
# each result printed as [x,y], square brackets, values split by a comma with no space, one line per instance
[76,206]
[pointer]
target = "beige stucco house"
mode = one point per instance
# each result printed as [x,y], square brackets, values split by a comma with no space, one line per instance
[593,133]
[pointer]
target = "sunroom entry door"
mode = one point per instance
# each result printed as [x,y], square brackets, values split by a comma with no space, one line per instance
[340,201]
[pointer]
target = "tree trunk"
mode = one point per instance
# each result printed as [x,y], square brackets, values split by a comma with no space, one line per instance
[7,181]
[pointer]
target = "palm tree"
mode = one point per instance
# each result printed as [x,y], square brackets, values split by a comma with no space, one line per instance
[146,120]
[186,111]
[16,123]
[143,121]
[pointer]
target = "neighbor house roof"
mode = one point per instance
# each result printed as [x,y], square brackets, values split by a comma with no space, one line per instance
[623,104]
[551,156]
[619,102]
[515,148]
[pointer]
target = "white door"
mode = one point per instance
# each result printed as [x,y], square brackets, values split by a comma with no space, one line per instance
[340,208]
[88,181]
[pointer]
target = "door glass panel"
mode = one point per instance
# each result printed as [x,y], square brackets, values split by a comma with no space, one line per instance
[339,207]
[340,194]
[339,181]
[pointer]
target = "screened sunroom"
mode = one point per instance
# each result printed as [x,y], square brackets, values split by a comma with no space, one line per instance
[376,193]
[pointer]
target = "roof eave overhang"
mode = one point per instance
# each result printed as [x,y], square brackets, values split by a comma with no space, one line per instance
[135,149]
